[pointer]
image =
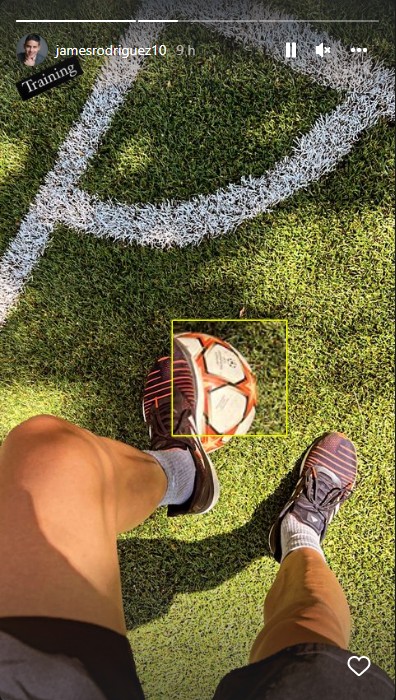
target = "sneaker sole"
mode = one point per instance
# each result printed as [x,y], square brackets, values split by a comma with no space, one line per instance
[215,482]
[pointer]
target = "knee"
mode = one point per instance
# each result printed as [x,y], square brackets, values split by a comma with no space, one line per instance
[35,441]
[38,435]
[46,445]
[37,426]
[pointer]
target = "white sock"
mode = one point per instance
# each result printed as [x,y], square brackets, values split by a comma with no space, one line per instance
[179,467]
[294,535]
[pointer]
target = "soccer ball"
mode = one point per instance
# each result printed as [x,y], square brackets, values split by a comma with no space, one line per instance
[225,388]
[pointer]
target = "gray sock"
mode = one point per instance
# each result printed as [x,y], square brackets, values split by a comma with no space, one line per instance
[180,470]
[295,535]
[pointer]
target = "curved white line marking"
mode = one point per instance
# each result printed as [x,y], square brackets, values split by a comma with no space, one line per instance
[370,89]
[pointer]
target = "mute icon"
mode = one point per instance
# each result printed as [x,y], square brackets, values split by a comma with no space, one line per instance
[321,50]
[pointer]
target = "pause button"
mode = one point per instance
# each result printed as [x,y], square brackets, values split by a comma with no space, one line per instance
[291,49]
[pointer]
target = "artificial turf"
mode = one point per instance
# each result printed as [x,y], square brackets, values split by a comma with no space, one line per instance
[96,314]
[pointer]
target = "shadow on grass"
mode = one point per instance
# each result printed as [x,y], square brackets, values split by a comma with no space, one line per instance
[173,567]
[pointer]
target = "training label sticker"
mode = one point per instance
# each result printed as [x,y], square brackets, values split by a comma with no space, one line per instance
[49,78]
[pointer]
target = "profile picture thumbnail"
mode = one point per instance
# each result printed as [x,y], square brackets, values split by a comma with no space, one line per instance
[32,50]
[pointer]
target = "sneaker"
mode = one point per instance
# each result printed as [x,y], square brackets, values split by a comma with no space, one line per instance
[157,415]
[327,478]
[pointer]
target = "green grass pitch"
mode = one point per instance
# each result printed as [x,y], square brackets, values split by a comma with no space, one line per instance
[96,314]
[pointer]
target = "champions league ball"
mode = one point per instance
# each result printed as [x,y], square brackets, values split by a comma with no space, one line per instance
[225,388]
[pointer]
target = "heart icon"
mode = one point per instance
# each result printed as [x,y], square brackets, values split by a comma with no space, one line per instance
[359,664]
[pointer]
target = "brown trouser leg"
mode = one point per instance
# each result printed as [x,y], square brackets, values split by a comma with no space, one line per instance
[65,494]
[305,604]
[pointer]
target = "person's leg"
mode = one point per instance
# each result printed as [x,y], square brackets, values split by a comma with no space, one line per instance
[306,603]
[65,494]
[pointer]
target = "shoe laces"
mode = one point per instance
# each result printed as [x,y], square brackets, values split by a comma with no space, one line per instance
[321,492]
[161,426]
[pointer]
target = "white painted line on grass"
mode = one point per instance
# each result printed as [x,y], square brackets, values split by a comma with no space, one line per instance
[183,223]
[369,89]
